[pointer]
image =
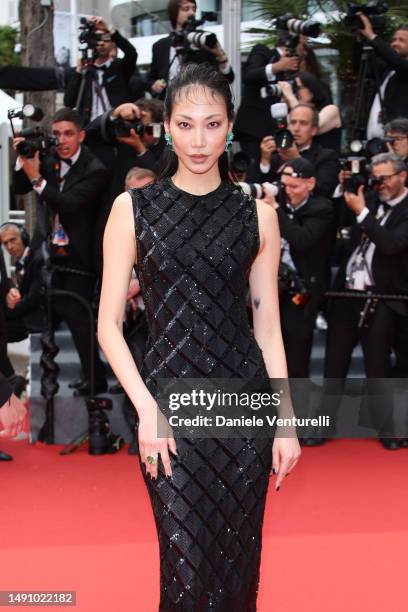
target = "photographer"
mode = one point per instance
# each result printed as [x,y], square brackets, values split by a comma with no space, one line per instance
[70,185]
[392,67]
[166,61]
[305,223]
[396,134]
[130,135]
[107,83]
[303,125]
[376,260]
[253,120]
[24,314]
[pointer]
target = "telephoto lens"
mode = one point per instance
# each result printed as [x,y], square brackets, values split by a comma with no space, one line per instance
[202,39]
[270,91]
[307,27]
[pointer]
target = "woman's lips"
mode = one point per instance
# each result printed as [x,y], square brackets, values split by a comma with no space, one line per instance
[199,159]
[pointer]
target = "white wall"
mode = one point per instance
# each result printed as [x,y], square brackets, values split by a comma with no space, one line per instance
[8,11]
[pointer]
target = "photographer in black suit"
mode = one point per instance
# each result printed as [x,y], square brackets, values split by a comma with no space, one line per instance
[305,222]
[109,85]
[392,67]
[377,259]
[166,62]
[12,411]
[24,313]
[303,123]
[71,187]
[142,147]
[254,120]
[126,136]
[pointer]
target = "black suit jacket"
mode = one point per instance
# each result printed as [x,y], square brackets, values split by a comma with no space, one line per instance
[5,389]
[325,161]
[77,204]
[390,260]
[396,91]
[309,234]
[115,80]
[160,65]
[254,114]
[28,308]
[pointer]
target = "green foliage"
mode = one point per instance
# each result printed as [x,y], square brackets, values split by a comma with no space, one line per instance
[8,40]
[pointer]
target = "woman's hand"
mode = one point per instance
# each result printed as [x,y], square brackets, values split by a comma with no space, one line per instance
[288,93]
[151,424]
[285,455]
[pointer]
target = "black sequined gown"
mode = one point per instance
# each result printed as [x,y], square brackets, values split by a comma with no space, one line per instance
[194,254]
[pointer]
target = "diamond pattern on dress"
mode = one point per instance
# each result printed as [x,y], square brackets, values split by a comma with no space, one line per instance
[194,255]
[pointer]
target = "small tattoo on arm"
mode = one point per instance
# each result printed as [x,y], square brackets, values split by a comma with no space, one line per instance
[257,301]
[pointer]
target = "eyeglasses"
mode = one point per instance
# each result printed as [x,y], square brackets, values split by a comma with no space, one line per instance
[397,138]
[382,178]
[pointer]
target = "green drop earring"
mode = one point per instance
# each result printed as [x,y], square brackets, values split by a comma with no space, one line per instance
[228,143]
[169,141]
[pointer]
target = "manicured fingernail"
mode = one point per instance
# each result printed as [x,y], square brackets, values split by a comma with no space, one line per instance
[277,488]
[273,471]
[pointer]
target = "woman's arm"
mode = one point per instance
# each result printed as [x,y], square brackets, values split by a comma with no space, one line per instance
[329,118]
[119,256]
[263,282]
[288,94]
[264,293]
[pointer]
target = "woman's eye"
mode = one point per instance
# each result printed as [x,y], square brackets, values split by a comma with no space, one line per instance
[183,124]
[213,124]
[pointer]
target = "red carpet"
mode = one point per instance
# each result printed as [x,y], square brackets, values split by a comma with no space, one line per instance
[335,535]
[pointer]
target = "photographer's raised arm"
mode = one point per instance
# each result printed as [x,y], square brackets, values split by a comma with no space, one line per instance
[391,58]
[259,69]
[394,55]
[129,59]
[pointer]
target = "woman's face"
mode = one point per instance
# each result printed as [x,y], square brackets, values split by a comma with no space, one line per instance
[304,94]
[198,125]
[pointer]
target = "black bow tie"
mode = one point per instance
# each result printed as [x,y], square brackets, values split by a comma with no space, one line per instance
[66,161]
[101,67]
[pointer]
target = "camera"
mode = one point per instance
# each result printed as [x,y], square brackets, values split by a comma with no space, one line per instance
[306,27]
[260,190]
[371,147]
[359,173]
[121,128]
[89,37]
[290,283]
[283,137]
[374,9]
[274,91]
[35,138]
[190,38]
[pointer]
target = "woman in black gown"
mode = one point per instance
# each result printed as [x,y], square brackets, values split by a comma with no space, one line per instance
[196,240]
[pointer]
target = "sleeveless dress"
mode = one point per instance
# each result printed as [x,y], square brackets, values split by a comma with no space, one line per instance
[194,254]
